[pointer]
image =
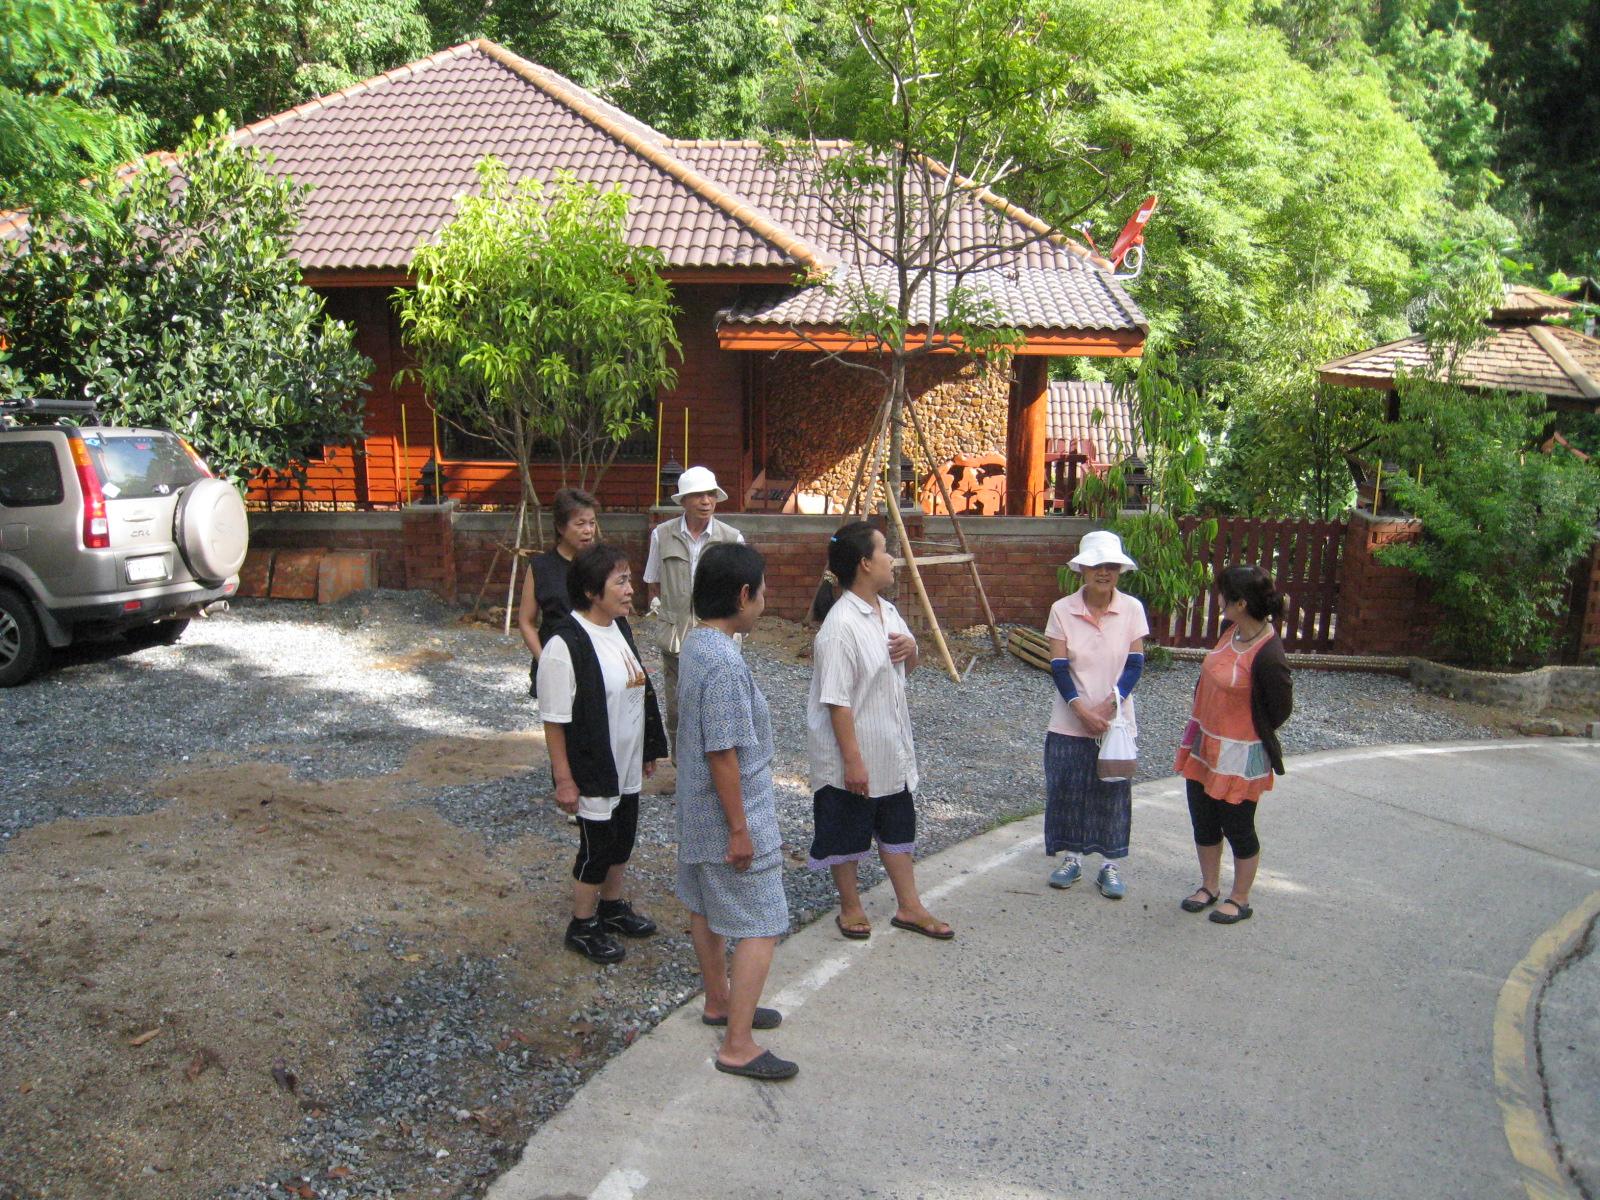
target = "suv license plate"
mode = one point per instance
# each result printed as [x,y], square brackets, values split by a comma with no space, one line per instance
[143,570]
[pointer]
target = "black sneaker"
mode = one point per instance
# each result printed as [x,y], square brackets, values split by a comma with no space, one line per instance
[617,916]
[590,939]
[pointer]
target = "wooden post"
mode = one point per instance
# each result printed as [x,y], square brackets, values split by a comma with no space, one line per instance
[961,536]
[916,580]
[1027,426]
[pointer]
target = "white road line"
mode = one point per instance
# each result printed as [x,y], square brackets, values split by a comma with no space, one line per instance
[983,868]
[796,994]
[622,1184]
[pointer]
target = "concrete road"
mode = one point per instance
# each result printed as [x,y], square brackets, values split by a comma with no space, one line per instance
[1343,1043]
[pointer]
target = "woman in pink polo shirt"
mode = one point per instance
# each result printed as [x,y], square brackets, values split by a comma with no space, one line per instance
[1096,653]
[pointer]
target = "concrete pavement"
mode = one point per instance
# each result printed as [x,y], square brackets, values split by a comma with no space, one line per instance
[1341,1043]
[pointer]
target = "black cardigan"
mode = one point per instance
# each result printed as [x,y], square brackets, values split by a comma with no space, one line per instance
[1271,697]
[589,734]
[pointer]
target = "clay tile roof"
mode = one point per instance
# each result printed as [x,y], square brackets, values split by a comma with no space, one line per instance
[1073,296]
[1548,360]
[1523,303]
[1096,419]
[387,157]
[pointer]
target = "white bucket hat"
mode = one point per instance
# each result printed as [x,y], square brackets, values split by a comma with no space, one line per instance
[697,479]
[1099,548]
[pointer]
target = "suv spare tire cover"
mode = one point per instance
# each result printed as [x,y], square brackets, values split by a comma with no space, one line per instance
[211,530]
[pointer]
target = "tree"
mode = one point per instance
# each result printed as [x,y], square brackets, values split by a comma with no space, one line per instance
[532,318]
[55,126]
[949,102]
[1502,526]
[184,311]
[253,58]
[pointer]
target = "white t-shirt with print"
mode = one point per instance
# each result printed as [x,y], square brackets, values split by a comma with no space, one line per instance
[624,682]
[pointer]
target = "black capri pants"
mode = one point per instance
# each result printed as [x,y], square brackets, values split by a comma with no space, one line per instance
[1215,819]
[606,844]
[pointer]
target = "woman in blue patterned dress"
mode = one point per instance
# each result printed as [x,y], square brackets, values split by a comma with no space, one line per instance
[730,853]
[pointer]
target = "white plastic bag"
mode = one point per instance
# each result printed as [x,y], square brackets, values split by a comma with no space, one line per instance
[1119,754]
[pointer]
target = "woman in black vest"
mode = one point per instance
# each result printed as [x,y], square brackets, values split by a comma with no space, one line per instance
[603,730]
[544,600]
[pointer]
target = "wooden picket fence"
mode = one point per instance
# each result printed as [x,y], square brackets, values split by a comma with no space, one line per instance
[1303,557]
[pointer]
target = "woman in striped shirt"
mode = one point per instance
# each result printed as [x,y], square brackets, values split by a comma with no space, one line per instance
[858,733]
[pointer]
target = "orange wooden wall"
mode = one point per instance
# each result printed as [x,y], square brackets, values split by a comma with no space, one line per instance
[710,389]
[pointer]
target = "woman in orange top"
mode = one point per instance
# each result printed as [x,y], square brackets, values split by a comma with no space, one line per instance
[1230,747]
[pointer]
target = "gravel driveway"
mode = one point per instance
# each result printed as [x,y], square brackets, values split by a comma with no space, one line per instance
[350,691]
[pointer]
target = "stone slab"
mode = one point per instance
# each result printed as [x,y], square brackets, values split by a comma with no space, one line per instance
[345,571]
[255,576]
[294,574]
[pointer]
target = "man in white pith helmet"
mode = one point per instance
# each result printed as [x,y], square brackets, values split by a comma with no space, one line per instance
[675,548]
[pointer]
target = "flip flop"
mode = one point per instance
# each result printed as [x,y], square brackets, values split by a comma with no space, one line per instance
[765,1065]
[938,935]
[1190,904]
[1222,918]
[855,933]
[765,1018]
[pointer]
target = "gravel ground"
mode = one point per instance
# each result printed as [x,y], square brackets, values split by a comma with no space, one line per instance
[350,690]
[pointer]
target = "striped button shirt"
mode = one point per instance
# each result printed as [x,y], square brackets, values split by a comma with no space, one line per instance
[850,668]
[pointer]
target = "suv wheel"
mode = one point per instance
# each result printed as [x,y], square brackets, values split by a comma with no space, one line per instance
[159,633]
[22,648]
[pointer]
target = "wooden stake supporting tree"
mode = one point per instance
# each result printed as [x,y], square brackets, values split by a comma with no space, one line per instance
[861,503]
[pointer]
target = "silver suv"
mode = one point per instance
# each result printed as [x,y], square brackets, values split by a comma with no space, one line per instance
[106,531]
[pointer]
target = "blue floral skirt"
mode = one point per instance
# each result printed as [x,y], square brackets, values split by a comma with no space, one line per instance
[1083,814]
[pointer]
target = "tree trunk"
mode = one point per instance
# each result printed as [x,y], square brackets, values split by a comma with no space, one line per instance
[897,414]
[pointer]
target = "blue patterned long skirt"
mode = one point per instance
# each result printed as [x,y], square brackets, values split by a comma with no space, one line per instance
[1082,813]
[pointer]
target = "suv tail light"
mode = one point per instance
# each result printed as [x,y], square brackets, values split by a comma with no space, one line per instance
[96,526]
[199,463]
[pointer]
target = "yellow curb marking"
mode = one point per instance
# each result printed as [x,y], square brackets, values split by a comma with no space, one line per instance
[1516,1075]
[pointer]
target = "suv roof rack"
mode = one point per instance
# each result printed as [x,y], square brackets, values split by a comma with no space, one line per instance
[49,408]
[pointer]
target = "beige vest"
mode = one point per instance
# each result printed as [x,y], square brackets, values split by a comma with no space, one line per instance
[677,583]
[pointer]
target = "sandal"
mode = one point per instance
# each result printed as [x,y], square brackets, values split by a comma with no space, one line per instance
[1190,904]
[933,931]
[765,1018]
[1242,913]
[766,1065]
[853,931]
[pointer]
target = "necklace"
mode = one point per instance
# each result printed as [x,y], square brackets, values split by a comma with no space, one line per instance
[1245,641]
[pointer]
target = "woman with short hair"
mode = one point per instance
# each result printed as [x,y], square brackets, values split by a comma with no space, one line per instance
[544,599]
[1096,637]
[858,733]
[730,852]
[1230,749]
[603,730]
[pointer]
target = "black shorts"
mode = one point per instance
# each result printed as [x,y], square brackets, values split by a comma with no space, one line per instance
[606,844]
[847,823]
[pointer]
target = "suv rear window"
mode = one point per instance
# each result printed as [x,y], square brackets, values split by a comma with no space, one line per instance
[29,477]
[139,466]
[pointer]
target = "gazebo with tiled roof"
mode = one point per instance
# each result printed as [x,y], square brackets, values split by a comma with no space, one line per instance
[1522,353]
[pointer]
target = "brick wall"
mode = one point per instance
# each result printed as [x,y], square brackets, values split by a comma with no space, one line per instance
[1589,628]
[1382,610]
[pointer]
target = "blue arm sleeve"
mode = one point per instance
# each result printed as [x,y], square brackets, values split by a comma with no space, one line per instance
[1061,670]
[1131,670]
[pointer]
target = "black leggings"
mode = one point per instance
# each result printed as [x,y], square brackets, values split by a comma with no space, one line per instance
[1215,819]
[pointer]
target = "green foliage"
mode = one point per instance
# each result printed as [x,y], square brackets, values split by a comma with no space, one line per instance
[56,56]
[1502,524]
[1540,76]
[1173,566]
[184,311]
[1502,530]
[253,58]
[533,317]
